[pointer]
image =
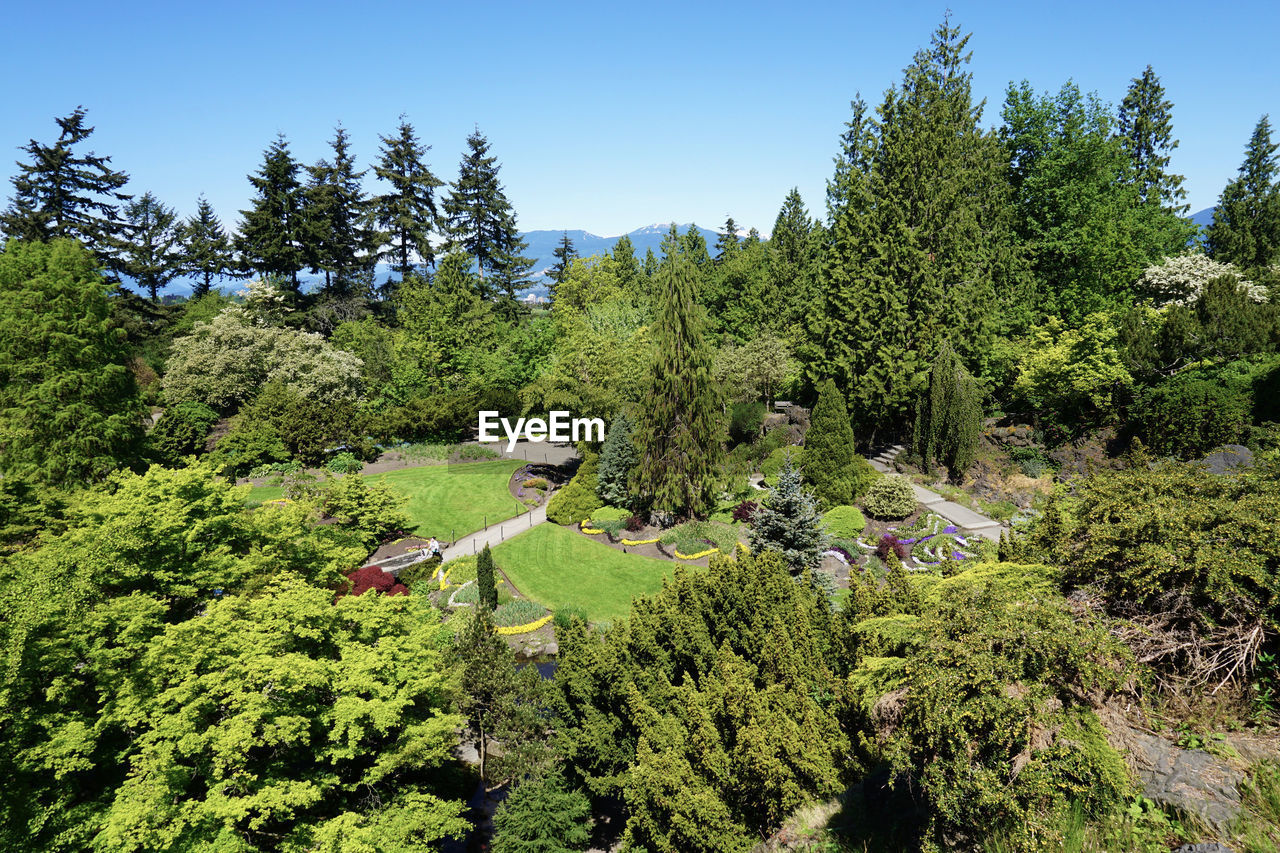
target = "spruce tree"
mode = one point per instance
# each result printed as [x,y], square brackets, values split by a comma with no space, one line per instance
[62,192]
[793,253]
[150,252]
[1246,223]
[407,212]
[338,238]
[269,240]
[629,272]
[788,521]
[728,243]
[829,449]
[205,248]
[486,582]
[482,222]
[948,416]
[564,255]
[542,815]
[1146,129]
[617,457]
[677,432]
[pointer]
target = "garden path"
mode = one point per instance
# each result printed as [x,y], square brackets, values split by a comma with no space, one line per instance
[961,516]
[496,533]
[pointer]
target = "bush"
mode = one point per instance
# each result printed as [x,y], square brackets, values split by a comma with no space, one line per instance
[181,432]
[635,524]
[345,463]
[772,466]
[844,522]
[890,545]
[565,616]
[745,511]
[420,572]
[1188,417]
[438,419]
[610,513]
[745,420]
[248,446]
[578,498]
[518,612]
[372,509]
[476,453]
[370,577]
[536,483]
[890,498]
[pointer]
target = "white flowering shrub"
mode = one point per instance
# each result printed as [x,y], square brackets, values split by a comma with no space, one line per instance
[1180,280]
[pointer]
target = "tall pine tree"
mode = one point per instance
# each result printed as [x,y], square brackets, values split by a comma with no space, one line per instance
[150,252]
[271,232]
[482,222]
[407,212]
[1146,129]
[1246,222]
[677,433]
[205,248]
[63,192]
[564,255]
[339,239]
[793,252]
[728,242]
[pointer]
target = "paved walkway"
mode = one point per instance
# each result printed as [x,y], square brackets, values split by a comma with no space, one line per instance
[496,533]
[961,516]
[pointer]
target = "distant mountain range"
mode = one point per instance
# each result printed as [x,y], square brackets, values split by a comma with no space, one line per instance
[1203,218]
[542,244]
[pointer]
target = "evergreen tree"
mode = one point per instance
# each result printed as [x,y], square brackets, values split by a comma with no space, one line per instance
[949,416]
[629,272]
[788,521]
[338,239]
[853,163]
[829,449]
[64,193]
[407,213]
[150,253]
[205,248]
[617,457]
[650,263]
[793,253]
[271,233]
[542,815]
[1246,222]
[727,243]
[446,324]
[69,407]
[486,581]
[677,432]
[752,238]
[1146,129]
[564,255]
[482,222]
[692,245]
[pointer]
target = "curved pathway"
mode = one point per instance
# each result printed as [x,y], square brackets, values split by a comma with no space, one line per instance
[961,516]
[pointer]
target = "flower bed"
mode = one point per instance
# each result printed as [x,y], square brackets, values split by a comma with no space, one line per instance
[590,531]
[508,631]
[653,541]
[696,556]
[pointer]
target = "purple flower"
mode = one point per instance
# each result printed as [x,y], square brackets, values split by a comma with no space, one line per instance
[950,528]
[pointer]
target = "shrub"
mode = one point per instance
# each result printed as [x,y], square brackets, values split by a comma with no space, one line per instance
[745,511]
[246,447]
[476,452]
[1188,417]
[844,522]
[373,509]
[890,545]
[610,513]
[420,572]
[518,612]
[578,498]
[890,498]
[438,419]
[345,463]
[181,432]
[565,616]
[745,420]
[635,523]
[370,577]
[536,483]
[829,449]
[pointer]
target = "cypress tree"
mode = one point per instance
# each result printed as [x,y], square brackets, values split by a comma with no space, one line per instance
[788,521]
[150,254]
[205,248]
[482,221]
[64,193]
[948,415]
[564,255]
[829,449]
[1146,130]
[338,239]
[617,457]
[407,212]
[1246,223]
[677,432]
[270,236]
[486,582]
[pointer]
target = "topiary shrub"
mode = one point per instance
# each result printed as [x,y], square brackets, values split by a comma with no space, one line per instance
[890,498]
[844,522]
[578,499]
[1187,417]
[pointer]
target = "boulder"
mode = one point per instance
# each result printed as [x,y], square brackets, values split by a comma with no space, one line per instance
[1229,457]
[551,649]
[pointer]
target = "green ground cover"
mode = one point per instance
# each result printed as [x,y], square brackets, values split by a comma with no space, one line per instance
[445,501]
[556,567]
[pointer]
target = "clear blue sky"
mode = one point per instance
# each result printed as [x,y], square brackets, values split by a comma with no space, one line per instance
[605,116]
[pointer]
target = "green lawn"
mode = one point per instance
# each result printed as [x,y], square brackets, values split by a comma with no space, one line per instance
[445,501]
[555,567]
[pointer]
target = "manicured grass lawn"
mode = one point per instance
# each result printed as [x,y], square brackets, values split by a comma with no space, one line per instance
[555,567]
[445,501]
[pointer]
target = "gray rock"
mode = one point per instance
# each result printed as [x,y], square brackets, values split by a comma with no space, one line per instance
[1228,457]
[551,649]
[1211,847]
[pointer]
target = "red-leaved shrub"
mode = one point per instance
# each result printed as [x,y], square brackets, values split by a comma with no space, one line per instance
[370,577]
[635,523]
[745,511]
[889,544]
[398,589]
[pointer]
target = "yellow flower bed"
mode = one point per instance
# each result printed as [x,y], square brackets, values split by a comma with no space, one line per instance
[444,579]
[524,629]
[697,555]
[590,531]
[640,541]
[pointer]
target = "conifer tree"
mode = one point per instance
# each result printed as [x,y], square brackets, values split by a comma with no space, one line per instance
[269,240]
[205,248]
[445,322]
[1246,222]
[829,449]
[650,263]
[692,245]
[62,192]
[150,252]
[486,581]
[677,432]
[407,212]
[788,521]
[629,272]
[617,457]
[1146,129]
[338,238]
[948,416]
[564,255]
[482,222]
[793,253]
[727,243]
[543,815]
